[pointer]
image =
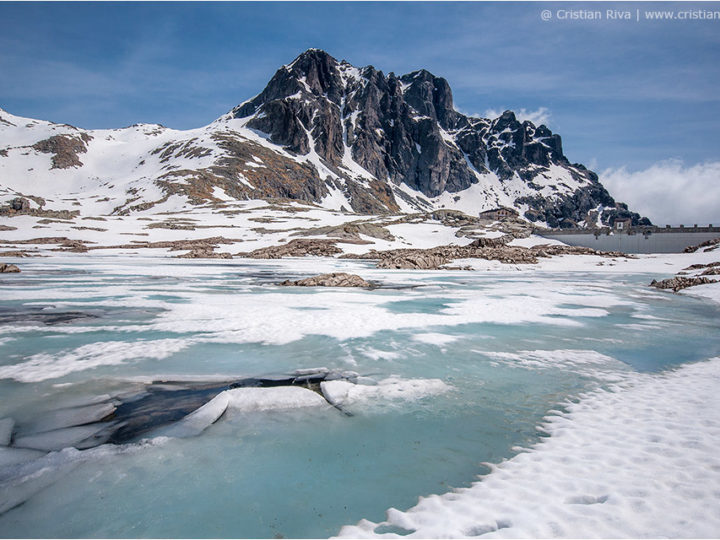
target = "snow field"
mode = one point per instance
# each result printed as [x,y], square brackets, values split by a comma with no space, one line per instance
[636,460]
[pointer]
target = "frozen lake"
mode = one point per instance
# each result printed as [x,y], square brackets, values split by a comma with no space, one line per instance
[451,374]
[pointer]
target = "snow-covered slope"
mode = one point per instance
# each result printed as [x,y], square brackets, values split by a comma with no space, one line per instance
[102,172]
[322,131]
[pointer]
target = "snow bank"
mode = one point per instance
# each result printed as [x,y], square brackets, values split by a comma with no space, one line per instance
[636,460]
[343,393]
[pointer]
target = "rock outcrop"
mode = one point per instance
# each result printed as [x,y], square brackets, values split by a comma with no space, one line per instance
[437,257]
[8,269]
[65,149]
[300,247]
[204,253]
[709,245]
[413,260]
[680,282]
[336,279]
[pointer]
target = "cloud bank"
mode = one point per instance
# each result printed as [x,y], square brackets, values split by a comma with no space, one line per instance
[669,192]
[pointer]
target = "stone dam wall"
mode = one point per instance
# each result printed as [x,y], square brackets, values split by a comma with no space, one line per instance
[635,240]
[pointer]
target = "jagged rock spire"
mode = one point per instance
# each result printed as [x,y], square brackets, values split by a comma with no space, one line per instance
[405,130]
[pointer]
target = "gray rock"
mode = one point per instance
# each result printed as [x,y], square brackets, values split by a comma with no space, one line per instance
[336,279]
[679,282]
[414,261]
[711,244]
[300,247]
[8,269]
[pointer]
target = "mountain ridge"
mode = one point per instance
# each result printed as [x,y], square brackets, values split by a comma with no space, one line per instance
[321,131]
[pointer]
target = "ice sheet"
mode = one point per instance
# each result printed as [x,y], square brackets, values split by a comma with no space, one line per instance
[43,366]
[15,456]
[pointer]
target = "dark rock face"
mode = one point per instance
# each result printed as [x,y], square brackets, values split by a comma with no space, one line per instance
[405,130]
[65,149]
[20,205]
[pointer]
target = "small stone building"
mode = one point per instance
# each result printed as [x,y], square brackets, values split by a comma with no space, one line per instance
[622,225]
[499,213]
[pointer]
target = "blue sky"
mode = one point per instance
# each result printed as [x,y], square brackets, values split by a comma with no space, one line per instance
[623,94]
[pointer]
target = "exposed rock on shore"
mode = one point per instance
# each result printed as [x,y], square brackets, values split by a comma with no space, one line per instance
[711,245]
[18,253]
[8,269]
[336,279]
[679,282]
[683,281]
[435,258]
[414,260]
[199,245]
[546,250]
[300,247]
[204,253]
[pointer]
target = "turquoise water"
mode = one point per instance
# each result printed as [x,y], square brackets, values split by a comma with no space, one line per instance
[511,347]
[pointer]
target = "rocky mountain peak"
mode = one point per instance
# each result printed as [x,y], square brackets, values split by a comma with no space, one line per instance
[430,96]
[359,139]
[404,131]
[319,72]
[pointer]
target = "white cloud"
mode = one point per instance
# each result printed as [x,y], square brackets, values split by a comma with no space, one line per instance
[668,192]
[540,116]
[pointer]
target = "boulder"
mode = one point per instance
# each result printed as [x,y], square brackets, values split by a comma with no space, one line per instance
[679,282]
[419,260]
[8,269]
[336,279]
[204,253]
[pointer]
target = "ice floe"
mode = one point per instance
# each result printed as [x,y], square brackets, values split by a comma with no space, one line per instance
[43,366]
[244,400]
[435,339]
